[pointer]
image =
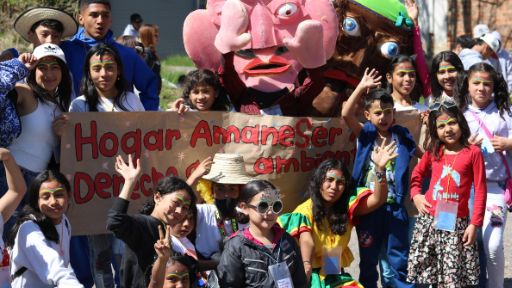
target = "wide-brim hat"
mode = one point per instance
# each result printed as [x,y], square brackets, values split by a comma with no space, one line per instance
[228,169]
[24,22]
[49,49]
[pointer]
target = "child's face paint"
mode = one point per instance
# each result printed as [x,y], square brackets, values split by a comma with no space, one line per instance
[263,209]
[104,73]
[48,74]
[448,129]
[380,115]
[53,200]
[403,78]
[447,77]
[176,276]
[333,186]
[480,87]
[202,96]
[172,208]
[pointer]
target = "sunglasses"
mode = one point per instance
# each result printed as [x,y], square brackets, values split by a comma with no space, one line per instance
[264,206]
[445,103]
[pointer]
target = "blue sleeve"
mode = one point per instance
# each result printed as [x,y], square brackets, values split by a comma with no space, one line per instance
[11,71]
[146,82]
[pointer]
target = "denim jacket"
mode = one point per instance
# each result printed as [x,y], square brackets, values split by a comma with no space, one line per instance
[406,147]
[11,71]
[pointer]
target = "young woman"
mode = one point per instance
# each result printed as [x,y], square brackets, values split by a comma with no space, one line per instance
[39,241]
[323,223]
[149,37]
[446,74]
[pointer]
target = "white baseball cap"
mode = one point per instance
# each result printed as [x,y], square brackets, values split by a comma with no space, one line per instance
[49,49]
[492,41]
[479,30]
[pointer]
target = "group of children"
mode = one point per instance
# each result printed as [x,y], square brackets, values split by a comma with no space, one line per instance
[221,227]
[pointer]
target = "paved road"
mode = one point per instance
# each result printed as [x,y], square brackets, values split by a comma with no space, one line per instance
[354,269]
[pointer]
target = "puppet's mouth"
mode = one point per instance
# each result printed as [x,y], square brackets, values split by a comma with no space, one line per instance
[275,65]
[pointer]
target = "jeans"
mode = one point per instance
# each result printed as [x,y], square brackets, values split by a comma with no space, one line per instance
[105,252]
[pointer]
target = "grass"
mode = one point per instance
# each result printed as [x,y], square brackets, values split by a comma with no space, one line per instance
[172,68]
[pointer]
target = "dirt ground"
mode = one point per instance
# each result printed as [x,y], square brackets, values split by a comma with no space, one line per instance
[354,269]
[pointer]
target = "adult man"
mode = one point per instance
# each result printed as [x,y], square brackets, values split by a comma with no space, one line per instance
[45,25]
[95,17]
[485,46]
[132,29]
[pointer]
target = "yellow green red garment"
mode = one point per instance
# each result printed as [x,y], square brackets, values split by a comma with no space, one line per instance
[301,220]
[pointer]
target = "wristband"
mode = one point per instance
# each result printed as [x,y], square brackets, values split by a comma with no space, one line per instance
[381,176]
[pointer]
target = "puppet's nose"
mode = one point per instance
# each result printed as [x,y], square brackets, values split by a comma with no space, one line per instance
[262,27]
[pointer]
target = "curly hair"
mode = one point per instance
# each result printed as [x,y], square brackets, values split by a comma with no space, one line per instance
[500,89]
[204,76]
[337,214]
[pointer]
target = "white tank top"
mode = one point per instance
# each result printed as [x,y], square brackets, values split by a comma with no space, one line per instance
[33,149]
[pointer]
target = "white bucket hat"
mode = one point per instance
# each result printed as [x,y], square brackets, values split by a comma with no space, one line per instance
[492,41]
[49,49]
[24,22]
[228,169]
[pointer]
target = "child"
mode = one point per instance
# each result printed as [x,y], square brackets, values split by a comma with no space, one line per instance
[490,122]
[202,92]
[446,71]
[172,202]
[443,251]
[262,255]
[39,241]
[401,79]
[170,271]
[104,90]
[323,223]
[388,224]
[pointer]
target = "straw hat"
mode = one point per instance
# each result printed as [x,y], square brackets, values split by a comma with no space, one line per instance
[49,49]
[228,169]
[24,22]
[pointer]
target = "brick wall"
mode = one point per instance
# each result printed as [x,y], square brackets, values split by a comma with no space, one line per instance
[465,14]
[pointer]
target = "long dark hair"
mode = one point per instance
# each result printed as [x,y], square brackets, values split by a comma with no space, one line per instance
[170,185]
[204,76]
[62,97]
[337,214]
[500,88]
[416,91]
[434,145]
[89,90]
[31,210]
[437,90]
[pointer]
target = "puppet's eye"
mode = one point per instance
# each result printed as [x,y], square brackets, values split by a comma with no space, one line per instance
[389,50]
[351,27]
[287,10]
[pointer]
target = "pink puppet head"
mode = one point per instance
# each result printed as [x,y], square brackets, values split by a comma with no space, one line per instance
[272,40]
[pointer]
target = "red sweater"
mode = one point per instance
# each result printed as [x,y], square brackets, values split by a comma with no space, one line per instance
[469,169]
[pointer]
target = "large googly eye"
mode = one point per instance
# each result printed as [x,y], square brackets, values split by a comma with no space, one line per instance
[389,50]
[287,10]
[351,27]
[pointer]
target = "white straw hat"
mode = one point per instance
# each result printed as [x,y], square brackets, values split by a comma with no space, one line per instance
[228,169]
[49,49]
[24,22]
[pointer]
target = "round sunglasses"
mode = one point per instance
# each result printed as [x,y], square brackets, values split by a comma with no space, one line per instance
[264,206]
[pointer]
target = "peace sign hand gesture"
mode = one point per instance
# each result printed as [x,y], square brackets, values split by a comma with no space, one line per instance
[162,246]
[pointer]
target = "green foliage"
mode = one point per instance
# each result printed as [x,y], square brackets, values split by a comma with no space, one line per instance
[178,60]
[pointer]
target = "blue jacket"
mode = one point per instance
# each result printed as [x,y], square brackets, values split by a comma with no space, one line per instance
[406,147]
[11,71]
[136,72]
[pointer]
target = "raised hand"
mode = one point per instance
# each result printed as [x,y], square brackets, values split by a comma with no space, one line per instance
[382,154]
[28,60]
[371,79]
[163,245]
[128,171]
[412,10]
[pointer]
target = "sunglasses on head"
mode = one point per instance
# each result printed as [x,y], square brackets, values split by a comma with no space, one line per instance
[445,103]
[264,206]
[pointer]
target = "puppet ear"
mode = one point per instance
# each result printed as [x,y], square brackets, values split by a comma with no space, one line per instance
[199,33]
